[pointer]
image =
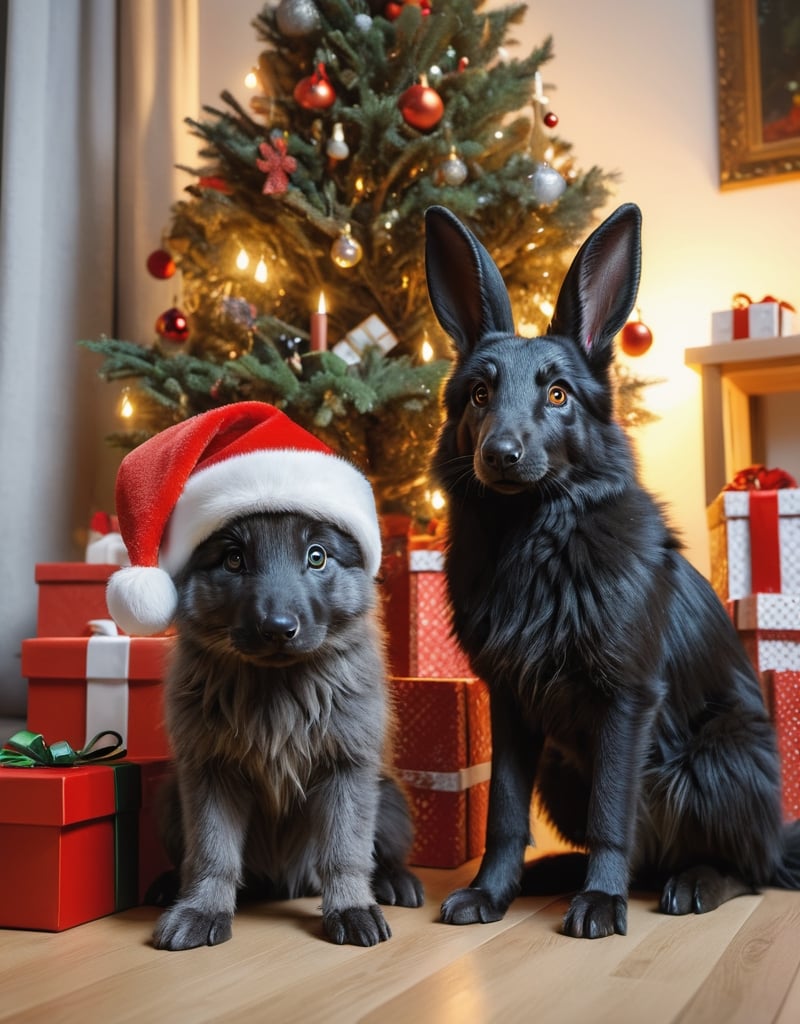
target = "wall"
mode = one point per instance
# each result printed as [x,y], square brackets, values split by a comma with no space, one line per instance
[634,86]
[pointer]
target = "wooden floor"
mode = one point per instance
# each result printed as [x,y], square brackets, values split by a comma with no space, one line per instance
[739,963]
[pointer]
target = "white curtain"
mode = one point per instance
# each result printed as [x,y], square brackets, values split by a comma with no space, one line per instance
[95,94]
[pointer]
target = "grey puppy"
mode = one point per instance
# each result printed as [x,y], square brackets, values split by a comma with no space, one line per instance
[277,711]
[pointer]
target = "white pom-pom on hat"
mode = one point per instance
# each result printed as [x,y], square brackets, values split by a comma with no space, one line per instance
[142,600]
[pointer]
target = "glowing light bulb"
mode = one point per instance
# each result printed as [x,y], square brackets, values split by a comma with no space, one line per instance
[427,351]
[242,260]
[437,501]
[547,307]
[261,271]
[126,408]
[251,80]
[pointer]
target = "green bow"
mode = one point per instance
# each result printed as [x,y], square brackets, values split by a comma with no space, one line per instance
[29,750]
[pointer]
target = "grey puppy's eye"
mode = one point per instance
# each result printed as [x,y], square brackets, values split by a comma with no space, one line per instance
[316,557]
[234,561]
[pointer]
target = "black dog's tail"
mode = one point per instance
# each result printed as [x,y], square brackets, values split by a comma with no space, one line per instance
[787,871]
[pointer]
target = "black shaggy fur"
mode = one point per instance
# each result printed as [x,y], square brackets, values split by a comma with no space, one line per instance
[277,712]
[619,689]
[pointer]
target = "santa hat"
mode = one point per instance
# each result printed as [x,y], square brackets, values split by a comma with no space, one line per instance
[180,486]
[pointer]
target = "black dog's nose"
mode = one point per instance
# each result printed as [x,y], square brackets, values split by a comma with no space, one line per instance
[502,452]
[280,626]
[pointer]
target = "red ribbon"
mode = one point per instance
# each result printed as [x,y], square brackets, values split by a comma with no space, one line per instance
[741,312]
[765,549]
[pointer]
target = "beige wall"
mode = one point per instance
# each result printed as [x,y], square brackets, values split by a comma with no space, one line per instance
[635,90]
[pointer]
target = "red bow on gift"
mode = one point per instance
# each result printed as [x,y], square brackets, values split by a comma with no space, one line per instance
[759,478]
[741,301]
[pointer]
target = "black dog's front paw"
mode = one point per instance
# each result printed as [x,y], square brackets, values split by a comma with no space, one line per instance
[397,887]
[471,906]
[594,914]
[184,927]
[357,926]
[700,889]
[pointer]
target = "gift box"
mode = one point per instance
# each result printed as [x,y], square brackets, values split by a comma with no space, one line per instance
[769,318]
[71,595]
[417,614]
[783,689]
[769,628]
[153,858]
[69,842]
[754,539]
[79,686]
[442,758]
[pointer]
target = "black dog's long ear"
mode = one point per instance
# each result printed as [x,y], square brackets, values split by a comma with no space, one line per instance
[466,290]
[600,288]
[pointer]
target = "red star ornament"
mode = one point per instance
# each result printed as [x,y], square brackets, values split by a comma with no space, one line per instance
[277,166]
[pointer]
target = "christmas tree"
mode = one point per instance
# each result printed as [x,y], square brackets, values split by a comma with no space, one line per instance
[364,115]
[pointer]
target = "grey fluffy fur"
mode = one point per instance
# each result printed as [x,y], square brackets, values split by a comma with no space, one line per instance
[277,712]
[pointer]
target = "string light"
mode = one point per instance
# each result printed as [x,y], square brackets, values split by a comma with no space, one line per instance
[438,501]
[126,407]
[242,260]
[427,351]
[261,271]
[251,80]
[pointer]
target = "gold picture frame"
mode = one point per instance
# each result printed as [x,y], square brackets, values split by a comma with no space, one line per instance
[758,57]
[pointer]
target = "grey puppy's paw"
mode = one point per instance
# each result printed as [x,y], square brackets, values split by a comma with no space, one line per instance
[357,926]
[183,927]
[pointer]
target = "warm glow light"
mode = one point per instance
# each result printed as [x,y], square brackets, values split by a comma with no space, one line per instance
[437,501]
[427,351]
[261,271]
[321,305]
[242,260]
[251,79]
[126,409]
[547,307]
[359,185]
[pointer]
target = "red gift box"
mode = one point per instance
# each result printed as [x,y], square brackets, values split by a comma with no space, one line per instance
[69,844]
[153,859]
[783,695]
[79,686]
[442,757]
[71,595]
[417,614]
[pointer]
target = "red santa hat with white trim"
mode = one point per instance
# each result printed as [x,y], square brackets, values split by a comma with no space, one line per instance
[183,484]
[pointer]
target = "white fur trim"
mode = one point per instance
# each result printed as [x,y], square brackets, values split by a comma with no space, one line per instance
[317,484]
[142,600]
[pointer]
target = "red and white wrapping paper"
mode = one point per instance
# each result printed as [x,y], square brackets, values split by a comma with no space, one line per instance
[766,319]
[769,628]
[755,542]
[783,689]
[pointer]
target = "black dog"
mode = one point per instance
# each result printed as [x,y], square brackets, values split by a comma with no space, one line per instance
[618,686]
[278,717]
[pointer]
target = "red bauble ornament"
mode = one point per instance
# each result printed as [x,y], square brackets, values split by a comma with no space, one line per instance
[392,11]
[550,119]
[161,264]
[635,338]
[173,325]
[316,91]
[421,107]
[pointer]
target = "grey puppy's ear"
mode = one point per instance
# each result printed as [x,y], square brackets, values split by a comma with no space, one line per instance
[600,288]
[466,290]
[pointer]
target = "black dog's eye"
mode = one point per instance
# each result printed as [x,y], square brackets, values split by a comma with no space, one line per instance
[479,395]
[317,557]
[556,395]
[233,561]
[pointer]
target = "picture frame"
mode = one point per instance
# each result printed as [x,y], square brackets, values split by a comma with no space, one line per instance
[758,58]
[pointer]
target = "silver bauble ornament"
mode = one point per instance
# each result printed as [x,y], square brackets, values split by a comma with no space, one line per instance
[363,22]
[297,18]
[547,184]
[346,251]
[454,170]
[336,146]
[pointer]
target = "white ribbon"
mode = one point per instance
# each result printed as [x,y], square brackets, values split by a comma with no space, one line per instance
[107,671]
[446,782]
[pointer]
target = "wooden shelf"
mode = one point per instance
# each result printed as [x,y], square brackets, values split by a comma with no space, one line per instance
[735,375]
